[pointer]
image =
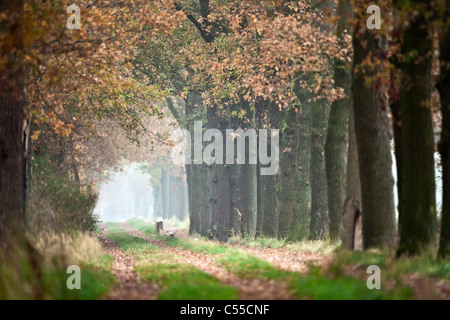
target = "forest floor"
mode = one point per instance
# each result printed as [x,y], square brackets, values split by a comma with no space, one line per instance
[151,266]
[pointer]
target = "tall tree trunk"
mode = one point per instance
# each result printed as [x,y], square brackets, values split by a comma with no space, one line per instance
[320,111]
[165,193]
[234,179]
[198,178]
[12,104]
[268,183]
[259,212]
[15,250]
[220,186]
[204,198]
[319,196]
[157,201]
[418,181]
[336,145]
[248,180]
[269,201]
[444,145]
[352,206]
[288,157]
[184,201]
[248,203]
[372,135]
[302,196]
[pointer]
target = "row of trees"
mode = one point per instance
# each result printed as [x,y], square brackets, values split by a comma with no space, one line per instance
[339,92]
[336,90]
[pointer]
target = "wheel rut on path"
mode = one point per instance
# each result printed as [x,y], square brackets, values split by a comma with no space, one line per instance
[249,289]
[129,285]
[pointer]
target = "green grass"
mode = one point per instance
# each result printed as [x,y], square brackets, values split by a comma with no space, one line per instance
[200,245]
[95,283]
[143,226]
[193,291]
[179,281]
[127,242]
[104,261]
[320,287]
[248,266]
[114,227]
[394,268]
[313,285]
[185,282]
[319,247]
[260,242]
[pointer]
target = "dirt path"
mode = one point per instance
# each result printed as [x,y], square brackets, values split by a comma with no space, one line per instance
[249,289]
[129,286]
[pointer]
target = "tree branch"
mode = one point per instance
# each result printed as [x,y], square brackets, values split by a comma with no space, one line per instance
[173,109]
[207,36]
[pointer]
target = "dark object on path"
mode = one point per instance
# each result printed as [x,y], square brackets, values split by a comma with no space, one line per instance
[159,226]
[172,234]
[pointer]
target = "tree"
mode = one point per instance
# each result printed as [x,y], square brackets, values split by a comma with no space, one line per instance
[12,105]
[288,165]
[352,207]
[418,209]
[337,136]
[372,135]
[319,194]
[302,195]
[444,145]
[270,117]
[319,120]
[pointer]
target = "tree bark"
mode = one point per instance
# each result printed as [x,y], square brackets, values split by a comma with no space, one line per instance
[12,104]
[220,186]
[248,203]
[234,179]
[165,193]
[336,146]
[248,180]
[302,195]
[372,135]
[288,158]
[417,196]
[268,184]
[352,204]
[319,196]
[443,86]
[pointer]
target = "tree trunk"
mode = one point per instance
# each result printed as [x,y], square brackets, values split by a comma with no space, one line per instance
[352,204]
[248,181]
[417,147]
[234,179]
[12,104]
[288,166]
[336,146]
[268,183]
[372,135]
[220,186]
[157,202]
[204,198]
[302,196]
[165,193]
[259,212]
[269,201]
[444,145]
[248,203]
[319,197]
[320,111]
